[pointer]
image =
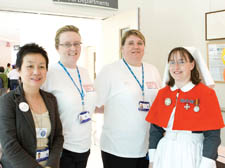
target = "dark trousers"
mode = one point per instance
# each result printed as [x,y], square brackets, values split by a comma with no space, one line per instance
[8,83]
[112,161]
[74,160]
[13,84]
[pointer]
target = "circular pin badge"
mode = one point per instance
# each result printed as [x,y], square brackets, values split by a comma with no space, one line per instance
[196,109]
[24,107]
[167,101]
[43,133]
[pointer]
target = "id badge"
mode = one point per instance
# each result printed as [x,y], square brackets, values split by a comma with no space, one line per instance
[84,117]
[41,132]
[151,85]
[144,106]
[89,88]
[42,154]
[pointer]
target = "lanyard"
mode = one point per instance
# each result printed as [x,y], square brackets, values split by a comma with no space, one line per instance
[80,91]
[141,85]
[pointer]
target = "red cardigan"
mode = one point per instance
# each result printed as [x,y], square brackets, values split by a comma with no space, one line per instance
[209,116]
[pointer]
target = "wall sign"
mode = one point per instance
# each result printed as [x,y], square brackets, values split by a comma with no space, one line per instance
[111,4]
[214,25]
[216,60]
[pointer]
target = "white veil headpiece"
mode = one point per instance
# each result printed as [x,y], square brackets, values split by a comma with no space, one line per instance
[201,66]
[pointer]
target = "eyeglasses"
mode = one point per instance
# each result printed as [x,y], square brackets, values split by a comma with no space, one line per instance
[68,45]
[179,62]
[132,43]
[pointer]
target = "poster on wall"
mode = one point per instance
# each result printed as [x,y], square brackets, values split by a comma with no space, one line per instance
[214,25]
[216,61]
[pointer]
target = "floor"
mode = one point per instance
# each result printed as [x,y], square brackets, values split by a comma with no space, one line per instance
[221,158]
[95,160]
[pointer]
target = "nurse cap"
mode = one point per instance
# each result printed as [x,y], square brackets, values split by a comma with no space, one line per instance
[201,66]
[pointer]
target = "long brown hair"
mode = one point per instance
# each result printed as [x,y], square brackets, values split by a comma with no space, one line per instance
[184,53]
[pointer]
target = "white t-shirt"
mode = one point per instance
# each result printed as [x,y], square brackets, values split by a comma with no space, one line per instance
[77,137]
[13,75]
[125,132]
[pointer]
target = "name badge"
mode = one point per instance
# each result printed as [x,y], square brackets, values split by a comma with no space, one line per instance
[84,117]
[24,107]
[42,154]
[151,85]
[41,132]
[89,88]
[144,106]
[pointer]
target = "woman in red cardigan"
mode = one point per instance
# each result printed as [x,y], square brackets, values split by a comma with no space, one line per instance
[185,116]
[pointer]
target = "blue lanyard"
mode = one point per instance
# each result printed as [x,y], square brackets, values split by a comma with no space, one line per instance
[80,91]
[141,85]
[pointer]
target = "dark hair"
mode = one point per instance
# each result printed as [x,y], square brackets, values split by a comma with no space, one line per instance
[30,48]
[2,69]
[13,66]
[8,65]
[184,53]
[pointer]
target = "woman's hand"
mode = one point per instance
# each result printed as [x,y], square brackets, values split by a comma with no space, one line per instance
[99,109]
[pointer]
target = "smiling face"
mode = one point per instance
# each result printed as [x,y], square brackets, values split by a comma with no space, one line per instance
[133,50]
[69,54]
[180,68]
[33,70]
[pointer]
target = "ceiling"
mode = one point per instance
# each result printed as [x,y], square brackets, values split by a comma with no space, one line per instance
[15,21]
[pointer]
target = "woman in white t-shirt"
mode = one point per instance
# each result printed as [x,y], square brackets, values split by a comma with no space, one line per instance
[126,90]
[75,95]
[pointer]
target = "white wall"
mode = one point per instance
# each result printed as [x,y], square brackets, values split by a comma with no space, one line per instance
[111,30]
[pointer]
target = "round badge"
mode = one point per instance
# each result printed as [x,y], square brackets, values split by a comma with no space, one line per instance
[196,109]
[24,107]
[168,101]
[43,133]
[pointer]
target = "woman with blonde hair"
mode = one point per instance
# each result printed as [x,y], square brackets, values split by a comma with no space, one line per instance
[126,90]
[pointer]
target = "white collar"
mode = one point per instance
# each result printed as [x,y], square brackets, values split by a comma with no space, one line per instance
[185,88]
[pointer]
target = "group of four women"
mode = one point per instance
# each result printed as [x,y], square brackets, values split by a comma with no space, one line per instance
[185,114]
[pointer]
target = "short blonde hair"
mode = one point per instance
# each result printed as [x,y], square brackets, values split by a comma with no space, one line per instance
[132,32]
[67,28]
